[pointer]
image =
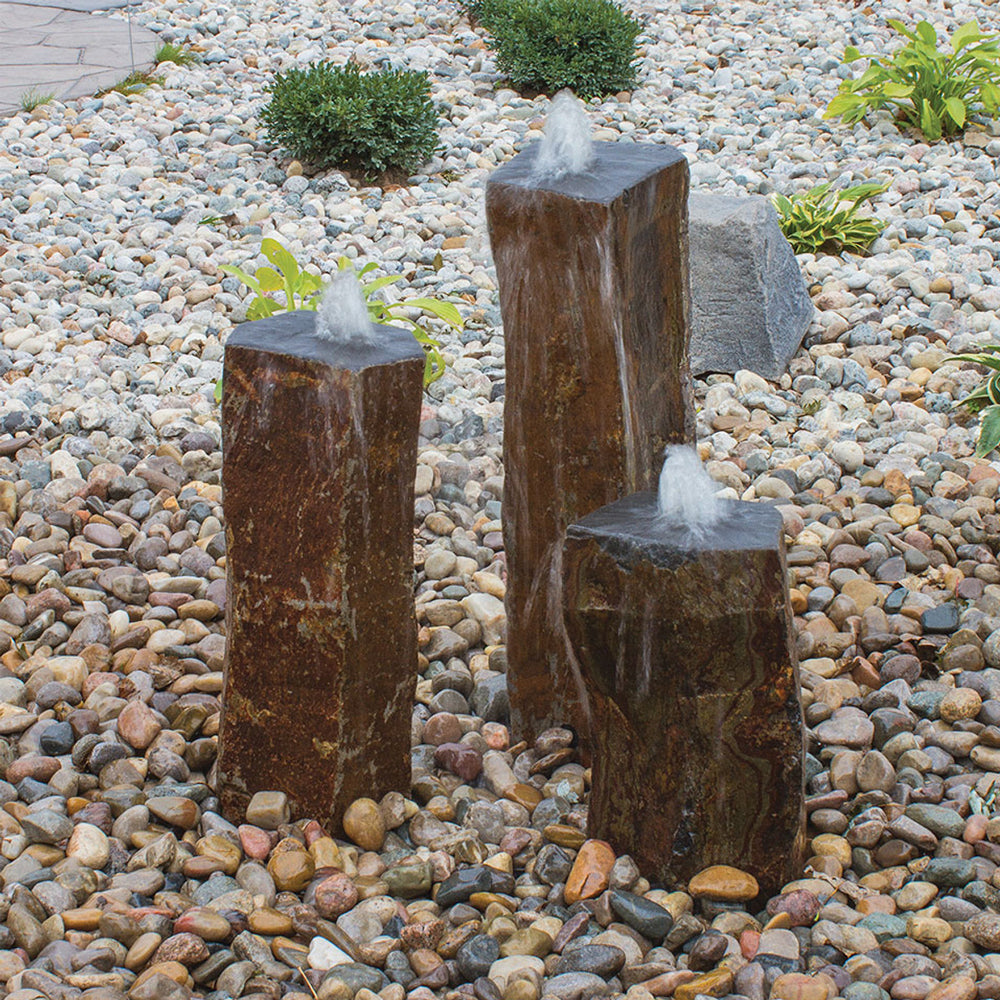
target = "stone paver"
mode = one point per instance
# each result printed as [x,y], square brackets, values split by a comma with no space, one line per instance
[65,48]
[83,6]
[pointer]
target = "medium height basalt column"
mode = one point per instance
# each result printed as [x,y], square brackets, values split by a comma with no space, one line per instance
[592,269]
[320,442]
[685,643]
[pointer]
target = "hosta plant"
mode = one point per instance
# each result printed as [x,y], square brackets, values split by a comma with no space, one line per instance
[822,220]
[931,89]
[985,399]
[301,290]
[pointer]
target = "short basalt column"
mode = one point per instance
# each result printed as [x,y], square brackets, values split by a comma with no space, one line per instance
[685,646]
[320,444]
[593,279]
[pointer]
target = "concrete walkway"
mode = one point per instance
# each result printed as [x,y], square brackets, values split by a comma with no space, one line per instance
[66,49]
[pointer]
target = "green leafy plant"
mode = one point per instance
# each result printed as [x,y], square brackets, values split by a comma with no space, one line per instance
[299,287]
[34,98]
[548,45]
[180,55]
[210,220]
[303,290]
[985,399]
[339,116]
[934,91]
[821,220]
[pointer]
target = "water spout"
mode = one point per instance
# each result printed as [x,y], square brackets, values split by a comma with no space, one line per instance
[342,316]
[687,493]
[567,146]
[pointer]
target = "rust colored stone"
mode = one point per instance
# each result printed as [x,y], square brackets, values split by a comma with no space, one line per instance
[591,871]
[593,280]
[320,455]
[686,649]
[724,882]
[716,983]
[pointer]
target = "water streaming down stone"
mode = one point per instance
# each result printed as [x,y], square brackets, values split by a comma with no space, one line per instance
[592,271]
[684,641]
[320,438]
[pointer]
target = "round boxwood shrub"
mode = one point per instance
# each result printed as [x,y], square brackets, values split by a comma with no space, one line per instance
[547,45]
[338,116]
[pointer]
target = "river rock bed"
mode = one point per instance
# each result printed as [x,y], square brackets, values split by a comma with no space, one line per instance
[119,876]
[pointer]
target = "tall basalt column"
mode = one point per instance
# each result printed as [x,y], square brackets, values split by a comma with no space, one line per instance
[593,281]
[686,649]
[320,443]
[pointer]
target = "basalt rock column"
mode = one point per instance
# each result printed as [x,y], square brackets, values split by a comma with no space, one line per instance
[593,278]
[320,443]
[685,645]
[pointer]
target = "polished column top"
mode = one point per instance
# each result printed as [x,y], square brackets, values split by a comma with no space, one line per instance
[617,167]
[633,528]
[294,334]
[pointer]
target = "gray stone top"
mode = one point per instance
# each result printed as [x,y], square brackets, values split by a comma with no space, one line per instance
[294,334]
[618,166]
[632,529]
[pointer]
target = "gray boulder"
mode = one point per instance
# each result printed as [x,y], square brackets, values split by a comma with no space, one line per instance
[750,307]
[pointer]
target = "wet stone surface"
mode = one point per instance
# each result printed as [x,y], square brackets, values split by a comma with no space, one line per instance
[595,245]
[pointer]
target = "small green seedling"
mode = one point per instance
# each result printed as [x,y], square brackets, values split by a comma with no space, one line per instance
[134,83]
[179,55]
[35,98]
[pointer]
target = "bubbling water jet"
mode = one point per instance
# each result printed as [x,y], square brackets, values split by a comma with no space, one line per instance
[687,493]
[342,316]
[566,146]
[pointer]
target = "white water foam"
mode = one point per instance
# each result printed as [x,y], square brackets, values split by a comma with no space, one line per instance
[342,316]
[687,493]
[567,146]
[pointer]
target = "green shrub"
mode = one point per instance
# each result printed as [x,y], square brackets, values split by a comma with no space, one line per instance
[473,9]
[985,399]
[548,45]
[823,221]
[931,90]
[339,116]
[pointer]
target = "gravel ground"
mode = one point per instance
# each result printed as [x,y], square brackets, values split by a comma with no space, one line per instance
[119,876]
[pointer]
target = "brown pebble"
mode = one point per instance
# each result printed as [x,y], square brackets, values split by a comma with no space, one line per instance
[591,871]
[364,825]
[726,883]
[292,871]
